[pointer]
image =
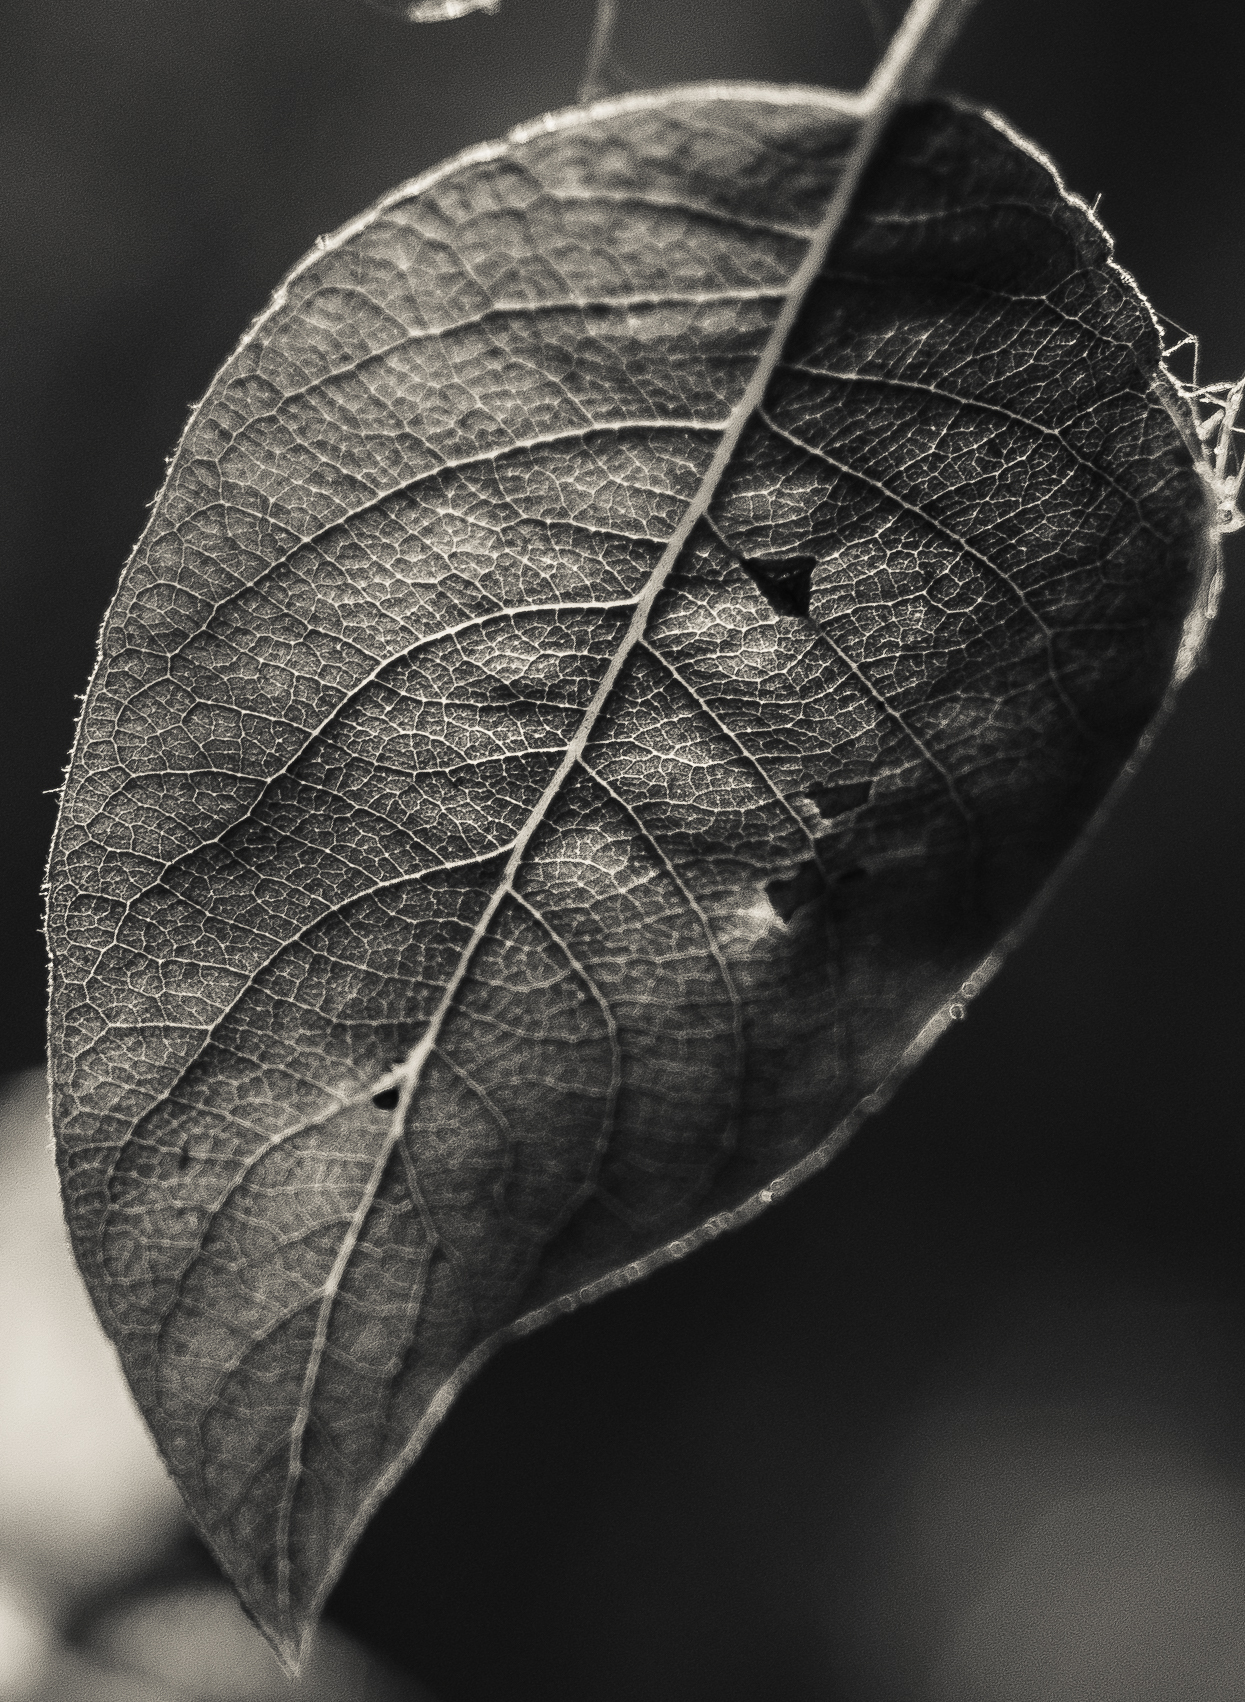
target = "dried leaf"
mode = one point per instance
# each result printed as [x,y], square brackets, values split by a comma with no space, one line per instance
[531,804]
[434,11]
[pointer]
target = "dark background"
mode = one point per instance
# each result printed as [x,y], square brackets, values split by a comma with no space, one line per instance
[962,1419]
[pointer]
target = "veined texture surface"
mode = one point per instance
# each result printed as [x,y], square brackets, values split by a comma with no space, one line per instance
[463,895]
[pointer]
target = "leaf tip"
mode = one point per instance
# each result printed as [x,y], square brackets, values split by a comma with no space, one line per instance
[290,1640]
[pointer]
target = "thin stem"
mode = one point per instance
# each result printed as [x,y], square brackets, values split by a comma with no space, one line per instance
[927,31]
[592,84]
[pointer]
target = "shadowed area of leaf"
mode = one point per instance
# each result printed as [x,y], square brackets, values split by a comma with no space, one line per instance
[463,896]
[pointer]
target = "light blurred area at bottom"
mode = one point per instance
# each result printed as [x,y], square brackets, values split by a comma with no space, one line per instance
[105,1595]
[1058,1515]
[1049,1530]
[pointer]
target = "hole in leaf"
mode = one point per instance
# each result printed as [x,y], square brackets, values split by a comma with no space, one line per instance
[386,1099]
[784,583]
[789,895]
[836,800]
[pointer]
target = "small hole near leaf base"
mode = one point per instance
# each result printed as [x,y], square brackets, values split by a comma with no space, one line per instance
[386,1099]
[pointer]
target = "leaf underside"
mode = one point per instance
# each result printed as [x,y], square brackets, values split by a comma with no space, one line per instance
[439,928]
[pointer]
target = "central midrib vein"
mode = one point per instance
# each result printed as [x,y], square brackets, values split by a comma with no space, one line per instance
[885,90]
[924,30]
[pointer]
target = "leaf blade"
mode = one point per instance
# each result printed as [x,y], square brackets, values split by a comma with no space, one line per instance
[758,700]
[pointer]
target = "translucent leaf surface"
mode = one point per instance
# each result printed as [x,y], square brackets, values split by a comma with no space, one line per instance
[532,802]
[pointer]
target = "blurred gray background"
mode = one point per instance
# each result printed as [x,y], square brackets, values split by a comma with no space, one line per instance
[964,1419]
